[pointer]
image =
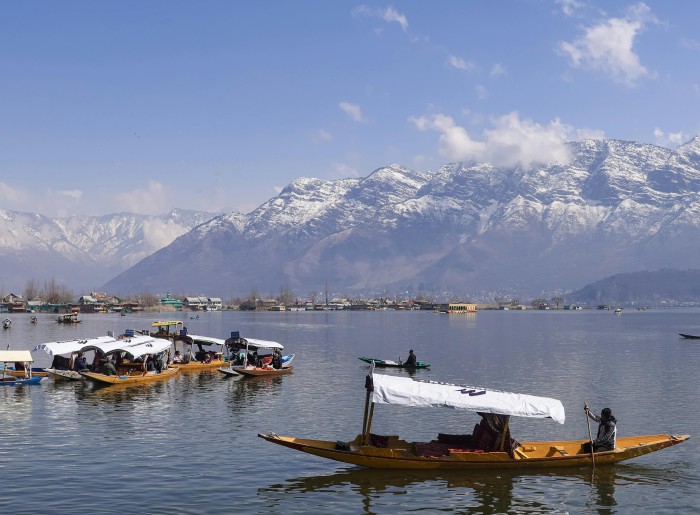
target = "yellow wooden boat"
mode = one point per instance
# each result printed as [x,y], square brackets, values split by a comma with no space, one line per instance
[263,371]
[167,328]
[202,359]
[488,447]
[132,376]
[133,371]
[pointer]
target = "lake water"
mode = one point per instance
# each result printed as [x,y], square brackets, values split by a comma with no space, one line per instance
[190,445]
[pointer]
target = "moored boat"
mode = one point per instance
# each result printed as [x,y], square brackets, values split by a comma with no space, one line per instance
[131,363]
[252,371]
[489,446]
[387,363]
[64,353]
[7,323]
[18,357]
[201,359]
[255,357]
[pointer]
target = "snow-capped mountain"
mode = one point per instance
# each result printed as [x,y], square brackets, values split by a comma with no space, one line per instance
[82,252]
[616,207]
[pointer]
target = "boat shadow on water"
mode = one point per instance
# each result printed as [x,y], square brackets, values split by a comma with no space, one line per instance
[478,491]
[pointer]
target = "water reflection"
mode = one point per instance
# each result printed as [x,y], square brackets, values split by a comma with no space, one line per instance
[248,391]
[486,492]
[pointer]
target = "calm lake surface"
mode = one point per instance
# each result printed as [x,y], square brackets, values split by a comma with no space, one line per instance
[190,445]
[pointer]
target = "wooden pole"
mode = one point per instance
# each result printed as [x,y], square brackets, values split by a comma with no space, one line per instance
[590,436]
[364,420]
[369,423]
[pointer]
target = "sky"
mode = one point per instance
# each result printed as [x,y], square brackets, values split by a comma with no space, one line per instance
[146,106]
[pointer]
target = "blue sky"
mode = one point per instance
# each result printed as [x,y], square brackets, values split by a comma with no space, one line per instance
[144,106]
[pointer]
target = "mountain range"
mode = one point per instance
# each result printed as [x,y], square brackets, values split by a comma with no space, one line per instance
[82,252]
[467,229]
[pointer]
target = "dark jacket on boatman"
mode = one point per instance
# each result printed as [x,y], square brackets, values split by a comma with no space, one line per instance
[607,430]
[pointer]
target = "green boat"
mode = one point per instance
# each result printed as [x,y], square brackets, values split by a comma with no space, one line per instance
[387,363]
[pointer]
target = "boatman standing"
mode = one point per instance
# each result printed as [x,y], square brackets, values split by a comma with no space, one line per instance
[607,430]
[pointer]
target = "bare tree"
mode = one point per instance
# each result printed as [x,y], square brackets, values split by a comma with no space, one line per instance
[558,300]
[56,293]
[313,295]
[286,295]
[31,289]
[147,299]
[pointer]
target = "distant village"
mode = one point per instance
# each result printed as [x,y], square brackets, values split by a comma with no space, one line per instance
[102,302]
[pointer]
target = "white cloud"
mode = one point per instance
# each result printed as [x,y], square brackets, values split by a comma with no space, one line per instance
[459,63]
[511,142]
[497,70]
[344,171]
[70,194]
[152,200]
[352,110]
[322,136]
[608,46]
[692,44]
[481,92]
[569,7]
[157,233]
[669,139]
[12,195]
[388,14]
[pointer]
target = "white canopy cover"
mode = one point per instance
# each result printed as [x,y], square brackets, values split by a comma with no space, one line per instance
[7,356]
[70,346]
[154,346]
[206,340]
[416,392]
[254,343]
[115,343]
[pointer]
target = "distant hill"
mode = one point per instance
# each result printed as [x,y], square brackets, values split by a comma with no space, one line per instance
[467,228]
[82,252]
[642,288]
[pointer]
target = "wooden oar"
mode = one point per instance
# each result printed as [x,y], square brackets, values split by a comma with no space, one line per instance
[590,436]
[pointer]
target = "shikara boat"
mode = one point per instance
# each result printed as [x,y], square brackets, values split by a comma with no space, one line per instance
[252,371]
[489,446]
[131,370]
[68,318]
[387,363]
[17,356]
[689,336]
[64,353]
[240,357]
[201,359]
[167,328]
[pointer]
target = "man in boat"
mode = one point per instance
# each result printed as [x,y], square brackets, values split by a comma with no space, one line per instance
[277,359]
[411,361]
[108,367]
[607,430]
[79,365]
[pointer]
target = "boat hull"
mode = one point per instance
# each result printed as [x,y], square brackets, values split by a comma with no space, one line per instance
[64,374]
[399,454]
[40,372]
[689,336]
[382,363]
[195,366]
[16,381]
[263,372]
[135,378]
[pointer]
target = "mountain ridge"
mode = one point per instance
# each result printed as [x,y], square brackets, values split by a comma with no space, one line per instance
[462,229]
